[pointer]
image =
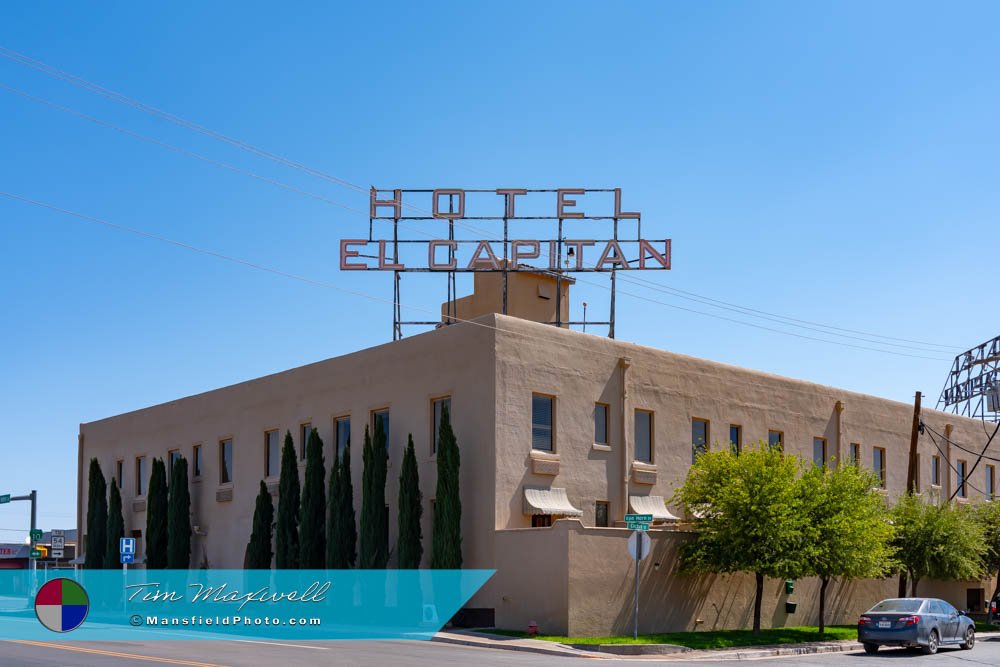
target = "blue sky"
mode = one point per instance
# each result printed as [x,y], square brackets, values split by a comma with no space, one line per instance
[834,163]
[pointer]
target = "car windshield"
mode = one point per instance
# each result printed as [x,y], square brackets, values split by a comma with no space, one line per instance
[903,606]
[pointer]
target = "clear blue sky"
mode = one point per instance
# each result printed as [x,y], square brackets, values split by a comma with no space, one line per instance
[834,162]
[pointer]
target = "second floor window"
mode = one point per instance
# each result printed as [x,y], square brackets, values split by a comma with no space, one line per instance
[542,421]
[600,424]
[855,454]
[304,431]
[819,451]
[960,476]
[644,436]
[699,438]
[119,471]
[878,464]
[140,476]
[991,480]
[439,405]
[936,470]
[173,456]
[196,462]
[226,461]
[272,454]
[342,434]
[776,440]
[735,438]
[381,417]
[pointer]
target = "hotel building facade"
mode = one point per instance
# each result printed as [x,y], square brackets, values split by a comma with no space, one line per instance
[561,434]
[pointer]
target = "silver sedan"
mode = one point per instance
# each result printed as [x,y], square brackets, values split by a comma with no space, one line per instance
[923,622]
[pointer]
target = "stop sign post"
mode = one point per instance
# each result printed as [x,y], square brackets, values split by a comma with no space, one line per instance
[639,546]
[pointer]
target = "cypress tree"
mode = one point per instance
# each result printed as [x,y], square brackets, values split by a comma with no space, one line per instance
[97,517]
[333,515]
[259,547]
[446,546]
[374,545]
[286,543]
[156,517]
[409,549]
[312,519]
[347,541]
[179,517]
[116,526]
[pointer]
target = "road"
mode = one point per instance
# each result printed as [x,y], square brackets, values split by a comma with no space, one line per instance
[406,653]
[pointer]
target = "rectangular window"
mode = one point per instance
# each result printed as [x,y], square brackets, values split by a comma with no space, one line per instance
[601,514]
[991,479]
[699,438]
[819,451]
[140,475]
[644,436]
[381,417]
[272,454]
[304,431]
[776,440]
[342,434]
[226,461]
[541,520]
[735,438]
[935,471]
[878,464]
[196,459]
[600,424]
[960,478]
[172,456]
[119,472]
[438,404]
[542,421]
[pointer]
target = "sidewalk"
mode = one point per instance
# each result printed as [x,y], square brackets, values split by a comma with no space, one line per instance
[648,651]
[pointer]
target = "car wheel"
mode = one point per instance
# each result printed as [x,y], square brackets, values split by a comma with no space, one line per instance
[970,638]
[932,643]
[871,649]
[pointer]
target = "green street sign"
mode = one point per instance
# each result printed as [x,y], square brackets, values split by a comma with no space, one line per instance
[35,553]
[639,517]
[5,498]
[637,525]
[36,535]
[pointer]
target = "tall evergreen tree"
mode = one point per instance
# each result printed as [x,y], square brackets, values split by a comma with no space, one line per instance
[259,547]
[347,529]
[286,542]
[333,514]
[312,519]
[97,517]
[179,517]
[156,517]
[446,545]
[116,526]
[409,549]
[374,541]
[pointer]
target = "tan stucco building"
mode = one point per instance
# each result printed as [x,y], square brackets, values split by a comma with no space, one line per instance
[561,433]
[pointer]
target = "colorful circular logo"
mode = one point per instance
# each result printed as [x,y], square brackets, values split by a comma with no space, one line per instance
[61,605]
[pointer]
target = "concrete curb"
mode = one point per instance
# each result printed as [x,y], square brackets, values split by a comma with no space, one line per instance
[504,643]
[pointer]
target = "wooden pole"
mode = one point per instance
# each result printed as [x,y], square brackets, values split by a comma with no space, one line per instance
[911,470]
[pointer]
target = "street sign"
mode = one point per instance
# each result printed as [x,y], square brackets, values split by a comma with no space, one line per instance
[639,545]
[636,525]
[5,498]
[35,553]
[57,553]
[58,542]
[58,532]
[127,558]
[36,535]
[646,518]
[126,545]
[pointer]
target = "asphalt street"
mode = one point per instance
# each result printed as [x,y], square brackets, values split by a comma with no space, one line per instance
[266,654]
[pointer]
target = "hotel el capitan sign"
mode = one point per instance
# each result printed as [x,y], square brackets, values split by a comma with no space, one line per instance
[588,232]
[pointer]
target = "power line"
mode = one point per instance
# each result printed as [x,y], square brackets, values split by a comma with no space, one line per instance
[964,448]
[141,106]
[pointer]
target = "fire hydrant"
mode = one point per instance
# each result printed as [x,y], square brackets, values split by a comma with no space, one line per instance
[532,629]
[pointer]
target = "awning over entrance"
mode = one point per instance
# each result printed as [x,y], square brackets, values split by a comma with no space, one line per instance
[654,505]
[548,501]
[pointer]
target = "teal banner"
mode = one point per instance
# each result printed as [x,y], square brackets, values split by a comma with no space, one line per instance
[141,604]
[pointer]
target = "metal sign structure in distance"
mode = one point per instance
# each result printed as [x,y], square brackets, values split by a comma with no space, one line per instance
[972,388]
[505,230]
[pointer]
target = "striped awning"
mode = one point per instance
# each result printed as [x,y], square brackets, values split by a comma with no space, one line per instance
[548,501]
[654,505]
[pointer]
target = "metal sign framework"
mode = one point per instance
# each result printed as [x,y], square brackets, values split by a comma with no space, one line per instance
[559,264]
[973,385]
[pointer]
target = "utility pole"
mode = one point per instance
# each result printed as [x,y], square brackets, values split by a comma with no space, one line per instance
[911,470]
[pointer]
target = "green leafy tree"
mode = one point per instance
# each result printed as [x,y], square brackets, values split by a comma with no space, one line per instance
[751,516]
[409,549]
[156,517]
[97,517]
[942,541]
[286,543]
[116,526]
[446,541]
[179,517]
[259,548]
[988,515]
[848,526]
[374,542]
[312,526]
[347,530]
